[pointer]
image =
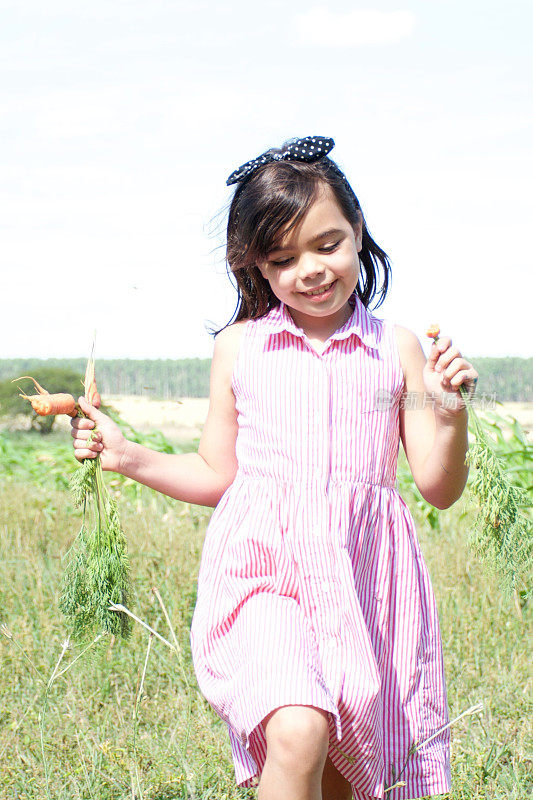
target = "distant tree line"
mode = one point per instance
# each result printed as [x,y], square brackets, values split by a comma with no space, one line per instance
[510,379]
[505,379]
[161,379]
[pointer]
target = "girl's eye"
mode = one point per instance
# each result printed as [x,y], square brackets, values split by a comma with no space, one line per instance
[329,248]
[282,263]
[325,249]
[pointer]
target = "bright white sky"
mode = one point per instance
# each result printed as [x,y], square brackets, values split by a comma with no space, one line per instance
[121,120]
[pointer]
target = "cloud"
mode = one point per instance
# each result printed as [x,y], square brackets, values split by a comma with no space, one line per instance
[319,26]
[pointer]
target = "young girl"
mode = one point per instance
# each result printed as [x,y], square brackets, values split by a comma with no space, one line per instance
[315,635]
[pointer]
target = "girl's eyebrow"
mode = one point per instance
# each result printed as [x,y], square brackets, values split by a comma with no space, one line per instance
[324,235]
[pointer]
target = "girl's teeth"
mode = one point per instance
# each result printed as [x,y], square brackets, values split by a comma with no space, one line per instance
[320,291]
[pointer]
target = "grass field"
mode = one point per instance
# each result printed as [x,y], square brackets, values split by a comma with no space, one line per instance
[94,734]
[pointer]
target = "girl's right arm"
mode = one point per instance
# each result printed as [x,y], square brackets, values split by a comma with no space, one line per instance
[200,478]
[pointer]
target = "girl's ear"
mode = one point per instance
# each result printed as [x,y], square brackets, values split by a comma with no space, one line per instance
[262,269]
[358,233]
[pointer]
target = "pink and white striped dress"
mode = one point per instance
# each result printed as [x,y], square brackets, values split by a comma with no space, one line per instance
[312,588]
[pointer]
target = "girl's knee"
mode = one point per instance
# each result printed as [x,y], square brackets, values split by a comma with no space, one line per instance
[299,734]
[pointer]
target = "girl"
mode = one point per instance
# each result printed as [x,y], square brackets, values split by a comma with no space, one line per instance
[315,635]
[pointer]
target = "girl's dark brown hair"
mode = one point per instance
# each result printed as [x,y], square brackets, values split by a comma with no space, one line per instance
[273,200]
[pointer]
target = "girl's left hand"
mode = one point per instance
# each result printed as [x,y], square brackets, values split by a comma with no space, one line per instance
[444,372]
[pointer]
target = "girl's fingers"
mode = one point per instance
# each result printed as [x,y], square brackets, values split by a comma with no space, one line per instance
[468,376]
[85,433]
[459,378]
[82,444]
[89,410]
[446,359]
[452,366]
[81,455]
[437,348]
[81,423]
[459,366]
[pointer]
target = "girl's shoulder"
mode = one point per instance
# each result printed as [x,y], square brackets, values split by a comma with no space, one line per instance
[232,334]
[410,350]
[227,345]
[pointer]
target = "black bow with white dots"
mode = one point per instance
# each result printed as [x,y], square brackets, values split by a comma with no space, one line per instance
[309,149]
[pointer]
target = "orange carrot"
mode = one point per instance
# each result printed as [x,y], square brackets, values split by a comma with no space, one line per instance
[91,392]
[46,404]
[433,332]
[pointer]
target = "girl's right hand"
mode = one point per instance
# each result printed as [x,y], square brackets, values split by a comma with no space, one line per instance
[108,441]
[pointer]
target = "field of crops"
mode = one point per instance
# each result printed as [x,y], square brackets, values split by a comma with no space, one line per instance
[126,720]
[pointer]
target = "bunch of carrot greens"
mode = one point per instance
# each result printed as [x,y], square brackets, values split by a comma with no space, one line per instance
[501,533]
[97,570]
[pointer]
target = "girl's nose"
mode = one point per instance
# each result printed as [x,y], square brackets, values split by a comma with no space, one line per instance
[310,266]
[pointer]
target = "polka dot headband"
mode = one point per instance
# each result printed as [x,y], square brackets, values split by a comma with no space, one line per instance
[309,149]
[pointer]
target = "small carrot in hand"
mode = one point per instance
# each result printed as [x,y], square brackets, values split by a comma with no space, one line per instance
[46,404]
[433,332]
[91,392]
[60,403]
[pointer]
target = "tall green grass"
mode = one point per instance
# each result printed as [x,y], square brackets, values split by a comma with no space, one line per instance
[102,739]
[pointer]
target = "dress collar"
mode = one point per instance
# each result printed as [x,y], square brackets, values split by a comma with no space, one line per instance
[361,323]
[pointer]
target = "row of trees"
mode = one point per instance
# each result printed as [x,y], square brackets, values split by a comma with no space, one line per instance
[509,379]
[503,379]
[162,379]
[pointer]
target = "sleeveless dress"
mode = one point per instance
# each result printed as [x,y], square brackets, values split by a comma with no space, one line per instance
[312,589]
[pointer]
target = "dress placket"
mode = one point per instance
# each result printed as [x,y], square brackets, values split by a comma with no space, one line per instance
[318,569]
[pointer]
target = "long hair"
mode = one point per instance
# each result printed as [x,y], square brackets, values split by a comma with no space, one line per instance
[275,198]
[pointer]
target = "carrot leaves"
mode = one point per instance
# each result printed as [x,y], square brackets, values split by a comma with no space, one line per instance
[97,571]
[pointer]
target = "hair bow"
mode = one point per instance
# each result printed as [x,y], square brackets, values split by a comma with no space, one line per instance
[309,149]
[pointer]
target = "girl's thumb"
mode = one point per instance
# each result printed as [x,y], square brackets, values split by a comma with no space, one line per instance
[434,354]
[89,410]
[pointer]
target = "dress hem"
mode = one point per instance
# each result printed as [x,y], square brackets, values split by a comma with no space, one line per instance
[241,742]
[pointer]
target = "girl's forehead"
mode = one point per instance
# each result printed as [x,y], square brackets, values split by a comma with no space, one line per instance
[324,213]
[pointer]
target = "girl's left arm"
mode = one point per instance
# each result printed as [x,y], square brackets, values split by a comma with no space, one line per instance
[433,416]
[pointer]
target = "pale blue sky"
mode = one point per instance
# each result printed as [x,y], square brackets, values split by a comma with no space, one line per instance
[120,122]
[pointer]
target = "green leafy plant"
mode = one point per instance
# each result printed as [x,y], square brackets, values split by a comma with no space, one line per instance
[501,532]
[97,572]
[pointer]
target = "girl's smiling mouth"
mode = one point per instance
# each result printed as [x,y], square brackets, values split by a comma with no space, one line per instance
[320,291]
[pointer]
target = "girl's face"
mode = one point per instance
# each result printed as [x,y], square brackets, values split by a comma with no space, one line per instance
[322,251]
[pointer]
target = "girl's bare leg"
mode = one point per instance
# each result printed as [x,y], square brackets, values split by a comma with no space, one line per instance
[334,785]
[297,746]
